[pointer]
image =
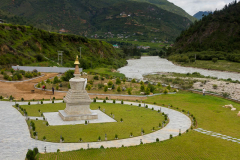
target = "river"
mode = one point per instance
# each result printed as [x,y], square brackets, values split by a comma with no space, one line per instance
[136,68]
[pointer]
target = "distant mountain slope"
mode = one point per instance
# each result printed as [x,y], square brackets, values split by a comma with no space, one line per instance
[200,14]
[216,35]
[19,20]
[87,17]
[168,6]
[21,45]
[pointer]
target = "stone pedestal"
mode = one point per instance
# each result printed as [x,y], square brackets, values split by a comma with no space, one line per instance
[77,102]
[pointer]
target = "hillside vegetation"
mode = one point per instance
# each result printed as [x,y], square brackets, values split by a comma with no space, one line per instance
[215,36]
[168,6]
[143,18]
[23,45]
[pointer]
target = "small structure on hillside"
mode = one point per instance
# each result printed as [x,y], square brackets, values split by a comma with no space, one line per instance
[77,99]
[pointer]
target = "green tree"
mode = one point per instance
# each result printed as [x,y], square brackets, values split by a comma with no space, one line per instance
[214,60]
[105,88]
[89,87]
[168,87]
[68,75]
[119,89]
[118,81]
[110,83]
[129,90]
[55,80]
[147,91]
[142,88]
[48,81]
[165,91]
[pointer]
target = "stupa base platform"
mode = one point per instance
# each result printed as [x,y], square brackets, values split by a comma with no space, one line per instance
[66,117]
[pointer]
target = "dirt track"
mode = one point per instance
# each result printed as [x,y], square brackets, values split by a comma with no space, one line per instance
[23,90]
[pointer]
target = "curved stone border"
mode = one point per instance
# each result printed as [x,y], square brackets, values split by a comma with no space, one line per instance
[16,140]
[22,81]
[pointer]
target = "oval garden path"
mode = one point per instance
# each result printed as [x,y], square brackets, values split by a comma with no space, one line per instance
[15,138]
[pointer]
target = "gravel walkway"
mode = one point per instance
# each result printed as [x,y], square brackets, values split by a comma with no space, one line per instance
[15,138]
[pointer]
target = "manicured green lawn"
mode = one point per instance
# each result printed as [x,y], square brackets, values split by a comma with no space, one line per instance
[32,110]
[192,145]
[207,109]
[134,119]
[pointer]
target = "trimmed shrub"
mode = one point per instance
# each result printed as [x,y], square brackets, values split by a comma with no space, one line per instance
[114,101]
[118,81]
[119,89]
[165,91]
[215,86]
[30,155]
[96,77]
[29,103]
[9,78]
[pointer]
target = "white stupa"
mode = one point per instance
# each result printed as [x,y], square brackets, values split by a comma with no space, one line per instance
[77,100]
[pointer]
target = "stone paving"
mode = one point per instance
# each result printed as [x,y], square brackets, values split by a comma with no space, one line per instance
[217,135]
[54,119]
[15,138]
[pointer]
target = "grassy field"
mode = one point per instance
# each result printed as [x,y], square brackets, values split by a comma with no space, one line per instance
[208,111]
[220,65]
[105,71]
[210,115]
[192,145]
[134,119]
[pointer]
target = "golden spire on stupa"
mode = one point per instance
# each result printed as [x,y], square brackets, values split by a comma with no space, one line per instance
[76,66]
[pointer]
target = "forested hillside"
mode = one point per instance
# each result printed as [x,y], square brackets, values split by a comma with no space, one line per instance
[215,36]
[22,45]
[90,17]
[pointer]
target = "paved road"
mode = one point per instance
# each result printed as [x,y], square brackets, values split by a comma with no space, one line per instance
[15,138]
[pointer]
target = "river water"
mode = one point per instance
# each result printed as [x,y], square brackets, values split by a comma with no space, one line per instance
[152,64]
